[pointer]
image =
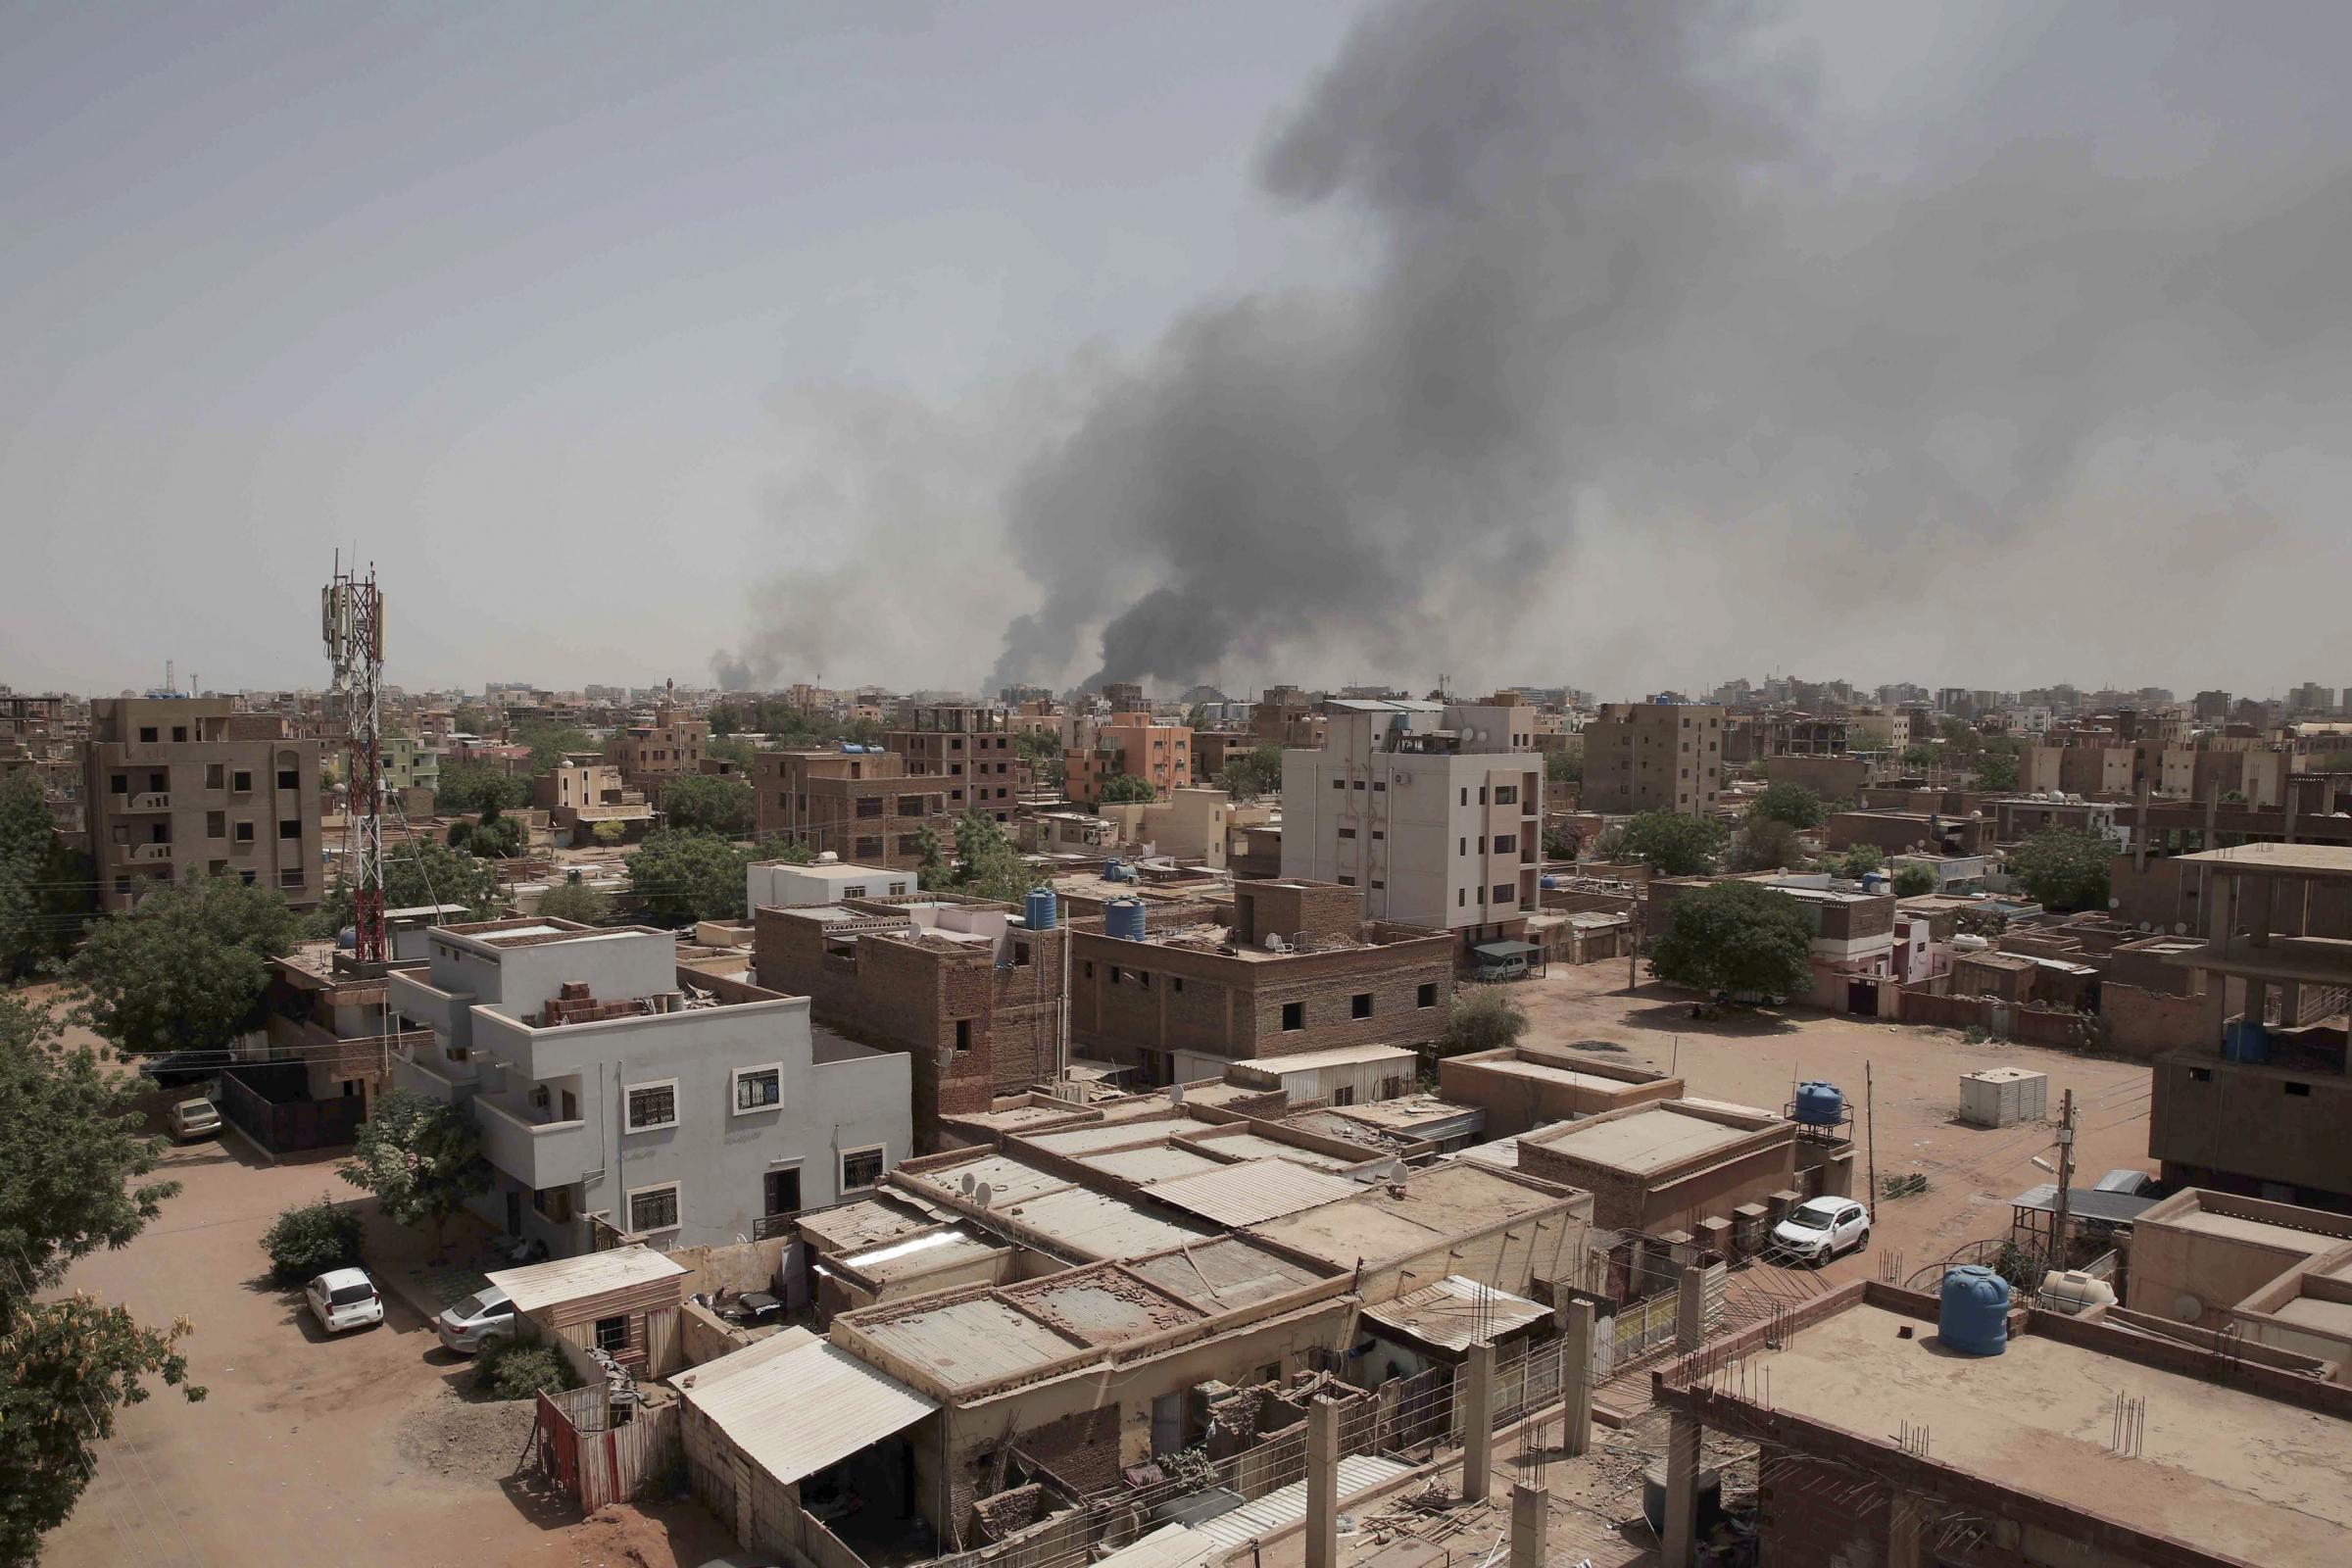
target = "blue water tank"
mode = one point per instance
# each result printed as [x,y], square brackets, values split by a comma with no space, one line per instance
[1124,918]
[1038,908]
[1818,1105]
[1548,881]
[2245,1040]
[1975,1315]
[348,937]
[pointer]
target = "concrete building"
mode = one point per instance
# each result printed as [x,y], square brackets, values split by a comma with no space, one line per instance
[1426,809]
[971,748]
[1527,1086]
[860,803]
[1653,756]
[1688,1165]
[1297,971]
[828,880]
[2272,1274]
[650,753]
[579,796]
[177,786]
[621,1095]
[1128,743]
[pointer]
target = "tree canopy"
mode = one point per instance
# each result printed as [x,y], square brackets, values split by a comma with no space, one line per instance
[1797,804]
[987,865]
[46,890]
[1126,788]
[1560,768]
[468,787]
[2064,867]
[1737,939]
[577,901]
[549,740]
[1482,1018]
[682,876]
[1674,844]
[72,1164]
[780,721]
[186,967]
[706,803]
[418,871]
[1915,881]
[1859,861]
[493,838]
[1767,844]
[421,1158]
[1248,774]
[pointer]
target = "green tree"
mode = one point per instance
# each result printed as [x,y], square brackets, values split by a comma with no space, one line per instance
[1248,774]
[1916,881]
[1482,1018]
[789,852]
[468,787]
[680,877]
[476,722]
[306,1241]
[1563,767]
[987,865]
[549,740]
[419,872]
[1793,804]
[1562,843]
[931,869]
[575,900]
[47,891]
[72,1164]
[1196,718]
[1767,844]
[706,803]
[421,1158]
[1674,844]
[495,837]
[1920,754]
[1737,939]
[185,970]
[1962,737]
[1859,861]
[1995,770]
[1125,788]
[741,753]
[2064,867]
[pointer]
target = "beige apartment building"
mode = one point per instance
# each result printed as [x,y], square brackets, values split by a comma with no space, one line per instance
[650,754]
[1653,756]
[176,786]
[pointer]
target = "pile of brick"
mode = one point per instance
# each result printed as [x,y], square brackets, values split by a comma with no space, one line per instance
[574,1002]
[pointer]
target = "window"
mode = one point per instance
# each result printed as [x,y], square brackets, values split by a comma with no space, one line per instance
[1347,881]
[215,775]
[1176,983]
[1143,977]
[1293,1016]
[241,782]
[857,892]
[758,1088]
[289,778]
[1359,1005]
[1379,785]
[1090,969]
[1359,783]
[1462,847]
[290,828]
[1506,843]
[1347,832]
[1339,783]
[244,833]
[216,825]
[119,784]
[1465,795]
[1379,834]
[2296,1088]
[1507,795]
[861,1168]
[1427,995]
[963,1034]
[653,1208]
[613,1335]
[146,732]
[652,1105]
[1117,975]
[1461,896]
[780,1191]
[1378,883]
[122,886]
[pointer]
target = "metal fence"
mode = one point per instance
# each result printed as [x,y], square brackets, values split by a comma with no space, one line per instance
[580,1451]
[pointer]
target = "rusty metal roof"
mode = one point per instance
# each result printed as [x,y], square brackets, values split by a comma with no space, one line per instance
[1456,1313]
[570,1279]
[810,1408]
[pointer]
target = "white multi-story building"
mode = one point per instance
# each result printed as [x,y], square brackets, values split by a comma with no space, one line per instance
[1435,811]
[613,1088]
[828,879]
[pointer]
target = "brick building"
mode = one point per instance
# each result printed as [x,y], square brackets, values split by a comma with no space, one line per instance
[860,804]
[1130,743]
[649,755]
[971,748]
[1297,969]
[960,985]
[1653,756]
[579,796]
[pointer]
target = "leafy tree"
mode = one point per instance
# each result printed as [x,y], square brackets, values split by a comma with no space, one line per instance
[418,871]
[574,899]
[2064,867]
[47,891]
[706,803]
[476,722]
[1962,737]
[739,752]
[549,740]
[987,865]
[71,1163]
[1248,774]
[1738,939]
[1196,718]
[1674,844]
[931,871]
[2233,797]
[1916,881]
[609,833]
[1561,767]
[1126,788]
[468,787]
[791,852]
[1797,804]
[1038,746]
[1921,755]
[511,1369]
[494,838]
[1766,844]
[1482,1018]
[421,1158]
[1996,770]
[680,877]
[185,970]
[1859,861]
[1562,843]
[309,1238]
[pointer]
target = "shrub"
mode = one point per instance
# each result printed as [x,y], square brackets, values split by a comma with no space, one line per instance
[1916,881]
[1482,1018]
[517,1369]
[306,1242]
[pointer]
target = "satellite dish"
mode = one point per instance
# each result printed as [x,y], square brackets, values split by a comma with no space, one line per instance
[2115,904]
[2179,928]
[1175,1094]
[981,1193]
[966,1184]
[2187,1309]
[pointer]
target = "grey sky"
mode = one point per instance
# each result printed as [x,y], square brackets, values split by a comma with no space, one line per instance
[633,333]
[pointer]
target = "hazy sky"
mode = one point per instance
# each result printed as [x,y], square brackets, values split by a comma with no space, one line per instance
[1987,344]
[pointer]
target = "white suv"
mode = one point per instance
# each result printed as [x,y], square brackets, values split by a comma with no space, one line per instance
[1820,1228]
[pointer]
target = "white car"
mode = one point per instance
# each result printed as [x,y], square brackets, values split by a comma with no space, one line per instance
[344,1298]
[467,1325]
[1820,1228]
[195,1118]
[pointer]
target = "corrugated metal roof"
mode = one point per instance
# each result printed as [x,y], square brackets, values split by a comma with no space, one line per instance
[1099,1225]
[1337,1056]
[1009,1181]
[810,1408]
[750,1358]
[1107,1135]
[976,1340]
[1255,1189]
[1255,1146]
[1453,1312]
[2084,1203]
[568,1279]
[1158,1163]
[1287,1505]
[1168,1546]
[1227,1272]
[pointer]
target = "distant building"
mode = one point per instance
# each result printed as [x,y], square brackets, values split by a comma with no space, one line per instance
[650,754]
[971,748]
[579,796]
[785,883]
[1129,743]
[859,802]
[1653,756]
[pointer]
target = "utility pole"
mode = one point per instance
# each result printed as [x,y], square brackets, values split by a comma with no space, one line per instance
[1870,1132]
[2066,1176]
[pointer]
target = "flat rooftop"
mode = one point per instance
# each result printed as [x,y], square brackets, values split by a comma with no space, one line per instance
[1009,1180]
[978,1339]
[1158,1163]
[863,1223]
[2226,1470]
[1441,1203]
[1316,1060]
[1226,1273]
[1649,1139]
[1103,1306]
[1097,1225]
[2238,1228]
[1074,1141]
[2277,860]
[1545,1072]
[1256,1146]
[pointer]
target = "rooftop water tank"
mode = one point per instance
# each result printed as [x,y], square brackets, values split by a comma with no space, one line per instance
[1818,1105]
[1038,908]
[1974,1318]
[1548,881]
[1124,918]
[2245,1040]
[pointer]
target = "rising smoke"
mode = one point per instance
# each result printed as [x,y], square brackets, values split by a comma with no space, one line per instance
[1616,284]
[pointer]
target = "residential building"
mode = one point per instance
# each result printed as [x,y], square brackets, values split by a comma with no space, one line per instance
[858,802]
[620,1094]
[1527,1086]
[579,796]
[2271,1274]
[827,880]
[652,752]
[1426,809]
[1907,832]
[1298,970]
[1129,743]
[1680,1164]
[1653,756]
[971,748]
[177,786]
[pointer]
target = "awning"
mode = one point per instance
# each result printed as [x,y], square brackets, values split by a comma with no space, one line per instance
[811,1407]
[1503,951]
[2085,1203]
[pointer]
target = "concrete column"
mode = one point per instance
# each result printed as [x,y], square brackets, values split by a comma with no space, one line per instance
[1478,1423]
[1690,1310]
[1575,1379]
[1531,1517]
[1906,1531]
[1322,1485]
[1681,1537]
[2139,835]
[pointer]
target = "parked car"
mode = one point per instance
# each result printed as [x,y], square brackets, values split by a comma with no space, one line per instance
[344,1298]
[1820,1228]
[195,1118]
[468,1325]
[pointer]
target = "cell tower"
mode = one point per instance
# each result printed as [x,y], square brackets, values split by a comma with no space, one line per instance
[352,619]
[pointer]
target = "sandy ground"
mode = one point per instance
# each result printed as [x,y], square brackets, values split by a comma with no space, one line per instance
[367,1449]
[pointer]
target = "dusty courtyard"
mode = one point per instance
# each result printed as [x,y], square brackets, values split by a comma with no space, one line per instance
[361,1450]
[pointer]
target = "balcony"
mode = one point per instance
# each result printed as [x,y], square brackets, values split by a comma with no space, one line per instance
[149,853]
[538,1153]
[152,801]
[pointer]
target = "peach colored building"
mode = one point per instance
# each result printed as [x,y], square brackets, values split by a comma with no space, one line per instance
[1160,754]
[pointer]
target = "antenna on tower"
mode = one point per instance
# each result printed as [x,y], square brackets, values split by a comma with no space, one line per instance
[351,622]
